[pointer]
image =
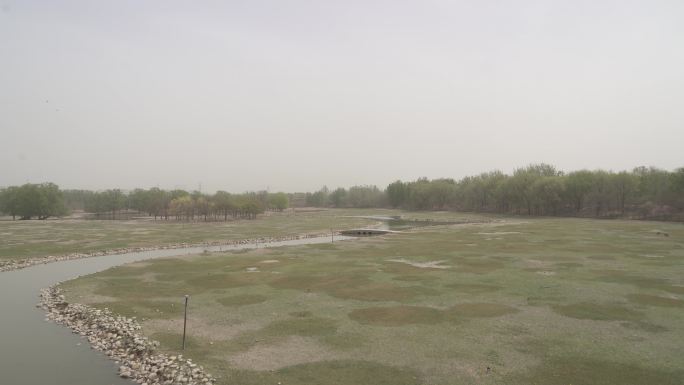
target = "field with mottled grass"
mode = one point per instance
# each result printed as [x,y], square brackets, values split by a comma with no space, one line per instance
[22,239]
[521,301]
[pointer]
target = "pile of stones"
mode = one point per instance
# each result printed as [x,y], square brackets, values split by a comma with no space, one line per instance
[119,338]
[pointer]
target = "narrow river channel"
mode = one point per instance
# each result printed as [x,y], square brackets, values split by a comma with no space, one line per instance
[34,351]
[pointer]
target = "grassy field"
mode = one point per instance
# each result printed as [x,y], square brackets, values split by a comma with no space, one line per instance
[21,239]
[527,301]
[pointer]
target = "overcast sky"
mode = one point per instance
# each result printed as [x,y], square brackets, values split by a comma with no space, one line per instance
[292,95]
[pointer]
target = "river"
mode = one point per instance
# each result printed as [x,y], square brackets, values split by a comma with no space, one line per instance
[34,351]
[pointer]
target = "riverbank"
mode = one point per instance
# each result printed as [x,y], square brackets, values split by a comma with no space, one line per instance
[16,264]
[437,305]
[120,339]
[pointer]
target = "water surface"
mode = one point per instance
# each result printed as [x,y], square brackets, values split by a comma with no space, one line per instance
[34,351]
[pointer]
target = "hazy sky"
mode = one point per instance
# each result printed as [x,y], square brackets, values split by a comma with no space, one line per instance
[292,95]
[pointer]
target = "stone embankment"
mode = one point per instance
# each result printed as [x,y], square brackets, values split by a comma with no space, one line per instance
[120,339]
[15,264]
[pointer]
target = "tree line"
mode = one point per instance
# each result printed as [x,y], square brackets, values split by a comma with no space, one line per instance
[537,189]
[32,201]
[180,204]
[45,200]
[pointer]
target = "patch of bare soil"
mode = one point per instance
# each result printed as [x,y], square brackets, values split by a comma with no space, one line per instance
[199,328]
[94,298]
[293,350]
[501,233]
[139,264]
[422,265]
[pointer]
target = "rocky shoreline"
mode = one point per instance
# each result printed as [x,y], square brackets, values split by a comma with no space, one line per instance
[16,264]
[120,339]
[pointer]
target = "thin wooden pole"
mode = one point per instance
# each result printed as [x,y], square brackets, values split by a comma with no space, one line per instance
[185,319]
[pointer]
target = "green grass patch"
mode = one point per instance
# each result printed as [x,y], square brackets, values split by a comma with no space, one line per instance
[584,371]
[22,239]
[644,326]
[344,313]
[348,373]
[479,266]
[472,288]
[397,315]
[598,312]
[351,286]
[480,310]
[302,326]
[654,300]
[242,300]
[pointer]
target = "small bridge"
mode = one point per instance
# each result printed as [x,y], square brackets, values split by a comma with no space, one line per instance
[366,232]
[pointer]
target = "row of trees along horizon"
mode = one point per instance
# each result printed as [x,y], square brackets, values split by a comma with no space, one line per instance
[538,189]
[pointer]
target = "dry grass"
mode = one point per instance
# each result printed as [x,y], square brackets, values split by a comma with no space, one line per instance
[397,315]
[343,314]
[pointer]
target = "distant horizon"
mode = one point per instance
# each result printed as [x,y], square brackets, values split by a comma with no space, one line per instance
[330,187]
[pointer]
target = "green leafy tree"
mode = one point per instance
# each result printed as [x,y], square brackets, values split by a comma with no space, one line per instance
[34,200]
[319,198]
[624,186]
[278,201]
[578,185]
[9,201]
[223,202]
[338,198]
[548,194]
[397,194]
